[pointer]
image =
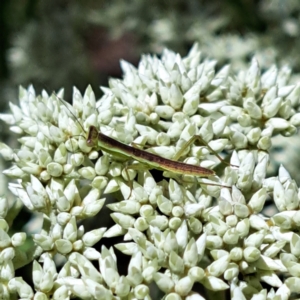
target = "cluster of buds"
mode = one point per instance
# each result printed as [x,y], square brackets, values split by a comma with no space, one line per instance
[177,231]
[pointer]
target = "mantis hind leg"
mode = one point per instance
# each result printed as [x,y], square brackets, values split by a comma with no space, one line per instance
[191,141]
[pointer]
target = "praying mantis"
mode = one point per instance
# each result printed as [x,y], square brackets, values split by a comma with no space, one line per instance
[151,161]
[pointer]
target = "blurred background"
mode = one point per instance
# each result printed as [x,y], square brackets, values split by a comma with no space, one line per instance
[60,44]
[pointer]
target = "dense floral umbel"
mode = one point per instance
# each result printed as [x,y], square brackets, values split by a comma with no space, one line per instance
[178,231]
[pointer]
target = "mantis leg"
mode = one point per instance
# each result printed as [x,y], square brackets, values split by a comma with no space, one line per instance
[191,141]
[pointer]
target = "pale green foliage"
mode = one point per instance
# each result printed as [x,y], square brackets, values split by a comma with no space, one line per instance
[174,231]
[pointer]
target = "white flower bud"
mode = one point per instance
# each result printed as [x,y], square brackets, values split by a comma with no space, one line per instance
[243,228]
[126,207]
[141,224]
[213,242]
[61,155]
[251,254]
[71,145]
[291,195]
[164,282]
[176,263]
[124,221]
[70,231]
[45,176]
[182,235]
[77,159]
[295,120]
[272,108]
[141,291]
[231,220]
[285,110]
[54,169]
[255,239]
[14,172]
[7,271]
[147,132]
[239,140]
[93,237]
[63,246]
[7,254]
[56,134]
[253,135]
[164,204]
[241,210]
[236,254]
[232,112]
[31,168]
[3,207]
[260,172]
[63,218]
[246,172]
[165,111]
[177,211]
[257,222]
[274,249]
[252,108]
[268,264]
[6,152]
[184,286]
[296,218]
[78,246]
[99,182]
[85,267]
[295,244]
[284,91]
[231,272]
[174,223]
[279,198]
[268,79]
[206,131]
[252,77]
[219,226]
[219,125]
[175,192]
[7,118]
[158,221]
[264,143]
[91,254]
[219,266]
[244,120]
[190,256]
[102,165]
[87,173]
[278,124]
[283,220]
[214,283]
[175,96]
[231,236]
[18,285]
[56,231]
[44,241]
[18,239]
[61,293]
[195,225]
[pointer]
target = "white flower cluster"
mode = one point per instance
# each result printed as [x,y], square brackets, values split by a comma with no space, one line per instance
[178,231]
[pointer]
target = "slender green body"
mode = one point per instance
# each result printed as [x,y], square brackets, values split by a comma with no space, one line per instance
[153,161]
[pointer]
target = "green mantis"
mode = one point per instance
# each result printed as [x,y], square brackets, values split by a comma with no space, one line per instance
[118,149]
[150,160]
